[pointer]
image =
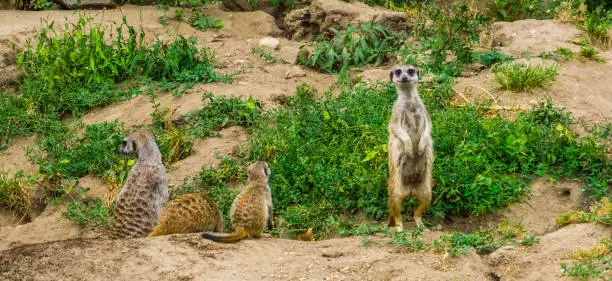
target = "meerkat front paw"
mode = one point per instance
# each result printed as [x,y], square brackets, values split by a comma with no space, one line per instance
[408,149]
[421,147]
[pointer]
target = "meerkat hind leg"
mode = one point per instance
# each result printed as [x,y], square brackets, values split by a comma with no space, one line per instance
[423,196]
[395,206]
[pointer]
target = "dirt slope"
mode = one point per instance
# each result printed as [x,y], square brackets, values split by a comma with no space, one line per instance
[188,257]
[581,86]
[52,248]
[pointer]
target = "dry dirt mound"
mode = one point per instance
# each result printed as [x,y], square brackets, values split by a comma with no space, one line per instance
[533,36]
[581,86]
[188,257]
[537,213]
[14,158]
[323,15]
[542,262]
[48,226]
[205,154]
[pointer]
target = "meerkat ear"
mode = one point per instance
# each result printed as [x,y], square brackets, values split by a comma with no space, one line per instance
[391,75]
[418,72]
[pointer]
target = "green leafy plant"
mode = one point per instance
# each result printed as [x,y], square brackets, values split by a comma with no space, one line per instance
[530,240]
[597,24]
[93,213]
[201,21]
[600,212]
[408,239]
[319,216]
[221,112]
[368,43]
[590,52]
[558,54]
[39,5]
[492,57]
[14,194]
[484,241]
[448,28]
[595,262]
[80,63]
[511,10]
[62,154]
[174,142]
[521,77]
[267,55]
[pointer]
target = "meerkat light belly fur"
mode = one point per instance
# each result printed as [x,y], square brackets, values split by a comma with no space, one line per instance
[410,148]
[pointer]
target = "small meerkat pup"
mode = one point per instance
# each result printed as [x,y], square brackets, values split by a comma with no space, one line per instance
[188,213]
[410,148]
[139,202]
[252,209]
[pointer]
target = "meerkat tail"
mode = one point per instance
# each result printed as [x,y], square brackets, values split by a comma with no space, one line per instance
[231,238]
[306,236]
[157,231]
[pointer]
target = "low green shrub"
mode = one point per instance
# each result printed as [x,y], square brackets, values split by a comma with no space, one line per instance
[484,241]
[62,153]
[14,194]
[92,213]
[368,43]
[593,263]
[492,57]
[521,77]
[201,21]
[221,112]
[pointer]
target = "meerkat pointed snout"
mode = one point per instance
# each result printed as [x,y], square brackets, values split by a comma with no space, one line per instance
[410,147]
[404,76]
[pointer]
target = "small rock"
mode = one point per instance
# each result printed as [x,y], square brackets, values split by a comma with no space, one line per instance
[86,4]
[296,71]
[241,61]
[332,254]
[269,42]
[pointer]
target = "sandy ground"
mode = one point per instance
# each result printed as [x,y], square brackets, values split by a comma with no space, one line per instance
[52,248]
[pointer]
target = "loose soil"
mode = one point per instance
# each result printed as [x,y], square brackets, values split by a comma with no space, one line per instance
[53,248]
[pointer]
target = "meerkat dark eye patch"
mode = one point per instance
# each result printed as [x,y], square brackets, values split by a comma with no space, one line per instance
[134,145]
[410,71]
[398,72]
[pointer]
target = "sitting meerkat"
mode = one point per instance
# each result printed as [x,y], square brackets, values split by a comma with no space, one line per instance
[252,209]
[139,202]
[410,148]
[188,213]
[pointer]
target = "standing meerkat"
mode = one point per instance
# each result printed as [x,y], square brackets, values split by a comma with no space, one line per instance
[252,209]
[188,213]
[410,148]
[139,202]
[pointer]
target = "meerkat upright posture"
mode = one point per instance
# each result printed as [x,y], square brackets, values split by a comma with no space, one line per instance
[410,148]
[252,209]
[139,202]
[189,213]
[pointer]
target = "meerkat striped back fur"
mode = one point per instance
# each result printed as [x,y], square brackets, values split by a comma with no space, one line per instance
[138,204]
[188,213]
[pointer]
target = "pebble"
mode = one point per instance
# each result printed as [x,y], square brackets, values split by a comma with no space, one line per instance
[269,42]
[332,254]
[295,71]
